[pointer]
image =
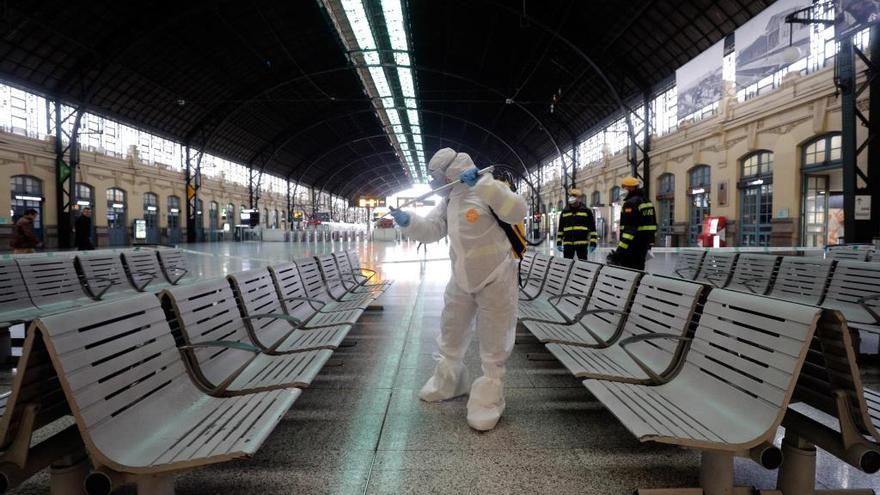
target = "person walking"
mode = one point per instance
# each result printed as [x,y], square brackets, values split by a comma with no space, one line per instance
[576,232]
[83,227]
[483,285]
[23,239]
[638,227]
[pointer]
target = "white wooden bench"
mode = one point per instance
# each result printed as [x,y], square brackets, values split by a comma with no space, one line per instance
[336,286]
[271,326]
[173,263]
[220,350]
[532,285]
[717,268]
[296,301]
[104,272]
[557,276]
[142,268]
[15,304]
[662,306]
[850,252]
[141,417]
[854,290]
[754,273]
[53,284]
[688,263]
[732,391]
[846,425]
[313,281]
[31,409]
[601,322]
[802,279]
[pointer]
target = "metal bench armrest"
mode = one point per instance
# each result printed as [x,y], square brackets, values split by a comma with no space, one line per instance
[309,300]
[150,277]
[296,322]
[655,378]
[99,279]
[176,269]
[863,303]
[228,344]
[678,272]
[748,281]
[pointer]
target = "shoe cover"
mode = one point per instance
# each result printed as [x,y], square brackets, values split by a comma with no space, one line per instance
[450,380]
[486,403]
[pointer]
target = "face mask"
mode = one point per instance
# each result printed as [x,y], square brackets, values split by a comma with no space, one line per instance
[574,199]
[438,179]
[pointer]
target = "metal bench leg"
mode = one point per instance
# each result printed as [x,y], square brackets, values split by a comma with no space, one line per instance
[154,484]
[66,476]
[716,478]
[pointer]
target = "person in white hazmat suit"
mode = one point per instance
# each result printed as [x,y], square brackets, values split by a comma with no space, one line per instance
[484,283]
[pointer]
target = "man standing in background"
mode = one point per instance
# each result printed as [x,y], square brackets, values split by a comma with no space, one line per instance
[576,233]
[23,239]
[83,227]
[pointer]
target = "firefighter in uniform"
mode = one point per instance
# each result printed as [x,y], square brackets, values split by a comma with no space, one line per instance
[576,233]
[638,226]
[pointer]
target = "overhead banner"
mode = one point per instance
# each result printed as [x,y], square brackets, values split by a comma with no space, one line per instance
[767,43]
[699,81]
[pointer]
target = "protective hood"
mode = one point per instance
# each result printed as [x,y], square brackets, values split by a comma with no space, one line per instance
[441,160]
[460,163]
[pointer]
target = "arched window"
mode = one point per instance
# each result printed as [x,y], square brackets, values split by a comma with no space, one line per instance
[665,208]
[699,187]
[117,212]
[614,194]
[822,216]
[756,199]
[85,195]
[27,193]
[597,199]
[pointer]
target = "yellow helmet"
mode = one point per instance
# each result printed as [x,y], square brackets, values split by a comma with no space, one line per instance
[574,192]
[629,182]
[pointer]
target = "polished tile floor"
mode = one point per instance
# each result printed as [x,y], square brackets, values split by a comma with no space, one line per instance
[360,429]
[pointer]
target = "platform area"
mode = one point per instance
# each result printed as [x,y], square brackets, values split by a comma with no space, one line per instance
[361,429]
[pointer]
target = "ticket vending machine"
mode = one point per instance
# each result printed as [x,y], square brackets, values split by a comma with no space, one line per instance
[714,232]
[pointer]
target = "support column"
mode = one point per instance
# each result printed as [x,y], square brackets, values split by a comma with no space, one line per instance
[65,175]
[193,179]
[872,226]
[847,84]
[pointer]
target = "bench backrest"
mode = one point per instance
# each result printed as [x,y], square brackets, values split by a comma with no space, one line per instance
[841,254]
[332,277]
[344,263]
[50,279]
[142,266]
[310,274]
[35,385]
[173,263]
[580,281]
[716,269]
[662,305]
[851,282]
[831,368]
[753,273]
[537,275]
[525,266]
[802,279]
[557,275]
[13,294]
[688,263]
[753,344]
[289,284]
[614,289]
[100,269]
[257,295]
[112,360]
[207,312]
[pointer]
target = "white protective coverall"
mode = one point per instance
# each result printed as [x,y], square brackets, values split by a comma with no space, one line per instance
[484,285]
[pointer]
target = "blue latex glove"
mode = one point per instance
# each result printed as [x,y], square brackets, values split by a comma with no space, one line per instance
[591,249]
[470,176]
[559,248]
[401,217]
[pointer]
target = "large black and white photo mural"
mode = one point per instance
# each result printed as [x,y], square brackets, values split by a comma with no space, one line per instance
[766,43]
[699,82]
